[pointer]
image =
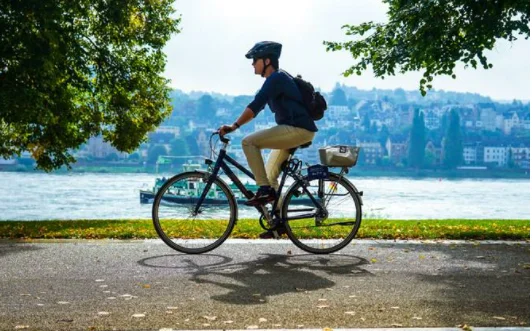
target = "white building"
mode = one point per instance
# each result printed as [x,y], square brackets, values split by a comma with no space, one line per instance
[511,120]
[498,155]
[337,112]
[168,129]
[488,116]
[470,155]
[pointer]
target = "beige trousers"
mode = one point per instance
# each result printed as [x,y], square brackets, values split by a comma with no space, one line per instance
[280,139]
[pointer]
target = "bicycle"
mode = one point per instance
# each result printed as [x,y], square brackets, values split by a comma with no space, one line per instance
[305,210]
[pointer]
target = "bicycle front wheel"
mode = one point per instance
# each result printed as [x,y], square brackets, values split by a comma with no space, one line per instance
[186,229]
[322,232]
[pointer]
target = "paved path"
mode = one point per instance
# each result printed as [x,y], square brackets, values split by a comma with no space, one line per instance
[137,285]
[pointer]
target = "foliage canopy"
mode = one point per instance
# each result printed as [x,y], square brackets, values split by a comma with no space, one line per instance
[433,35]
[70,70]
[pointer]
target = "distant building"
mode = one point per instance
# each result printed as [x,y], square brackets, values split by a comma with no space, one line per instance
[511,120]
[397,150]
[222,112]
[372,151]
[521,157]
[473,154]
[488,116]
[337,113]
[98,148]
[496,155]
[432,120]
[434,148]
[174,130]
[525,122]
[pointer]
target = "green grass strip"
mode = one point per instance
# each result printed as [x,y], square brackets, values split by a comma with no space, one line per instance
[489,229]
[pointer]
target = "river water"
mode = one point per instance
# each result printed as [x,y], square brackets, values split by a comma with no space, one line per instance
[38,196]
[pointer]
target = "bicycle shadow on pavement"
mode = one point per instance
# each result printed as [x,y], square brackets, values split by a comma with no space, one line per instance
[252,282]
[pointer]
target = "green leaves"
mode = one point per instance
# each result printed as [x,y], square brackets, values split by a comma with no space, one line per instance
[433,36]
[72,70]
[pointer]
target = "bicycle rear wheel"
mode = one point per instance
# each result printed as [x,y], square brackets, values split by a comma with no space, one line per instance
[180,227]
[330,231]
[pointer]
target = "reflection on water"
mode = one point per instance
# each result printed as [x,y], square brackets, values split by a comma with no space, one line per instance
[36,196]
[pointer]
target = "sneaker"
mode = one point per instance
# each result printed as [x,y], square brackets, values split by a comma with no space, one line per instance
[270,235]
[264,195]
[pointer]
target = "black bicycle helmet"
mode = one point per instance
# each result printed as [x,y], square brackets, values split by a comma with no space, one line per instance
[265,49]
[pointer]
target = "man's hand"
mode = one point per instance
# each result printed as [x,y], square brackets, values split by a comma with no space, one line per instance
[225,129]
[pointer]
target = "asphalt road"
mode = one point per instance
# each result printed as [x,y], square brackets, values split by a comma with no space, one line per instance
[137,285]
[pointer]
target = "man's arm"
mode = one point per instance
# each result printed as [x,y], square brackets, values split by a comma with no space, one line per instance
[246,116]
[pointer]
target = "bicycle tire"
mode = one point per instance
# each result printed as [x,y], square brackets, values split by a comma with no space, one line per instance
[175,209]
[315,241]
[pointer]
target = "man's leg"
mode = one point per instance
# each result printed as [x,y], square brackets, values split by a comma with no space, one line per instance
[273,166]
[281,137]
[278,137]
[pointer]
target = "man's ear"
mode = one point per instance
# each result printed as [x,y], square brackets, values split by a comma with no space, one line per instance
[267,62]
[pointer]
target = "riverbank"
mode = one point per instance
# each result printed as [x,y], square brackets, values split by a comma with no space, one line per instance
[361,171]
[464,229]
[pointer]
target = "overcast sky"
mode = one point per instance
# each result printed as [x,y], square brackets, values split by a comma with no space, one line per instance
[208,54]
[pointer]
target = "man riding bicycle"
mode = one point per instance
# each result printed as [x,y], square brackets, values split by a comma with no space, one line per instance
[294,126]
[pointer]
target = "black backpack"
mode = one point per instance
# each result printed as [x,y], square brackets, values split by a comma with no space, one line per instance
[313,101]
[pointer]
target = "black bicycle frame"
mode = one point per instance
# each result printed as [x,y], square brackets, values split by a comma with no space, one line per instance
[220,163]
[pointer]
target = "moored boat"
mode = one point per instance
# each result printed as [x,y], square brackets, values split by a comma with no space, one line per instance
[191,191]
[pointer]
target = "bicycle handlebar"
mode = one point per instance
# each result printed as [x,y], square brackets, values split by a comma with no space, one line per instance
[222,138]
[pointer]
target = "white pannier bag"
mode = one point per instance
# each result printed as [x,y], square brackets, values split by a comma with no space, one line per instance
[339,156]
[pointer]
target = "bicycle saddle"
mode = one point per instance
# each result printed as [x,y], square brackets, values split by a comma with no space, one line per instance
[305,145]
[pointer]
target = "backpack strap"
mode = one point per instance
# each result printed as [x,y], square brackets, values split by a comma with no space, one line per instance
[286,96]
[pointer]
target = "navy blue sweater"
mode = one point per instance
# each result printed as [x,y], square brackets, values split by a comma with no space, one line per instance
[281,93]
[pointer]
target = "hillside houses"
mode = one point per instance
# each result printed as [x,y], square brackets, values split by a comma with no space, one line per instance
[476,121]
[493,134]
